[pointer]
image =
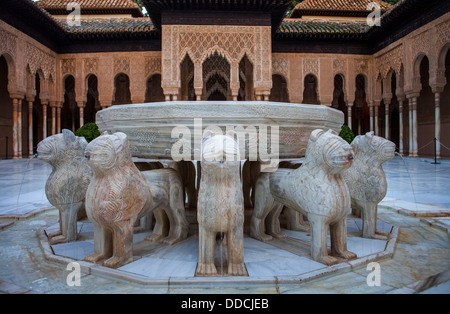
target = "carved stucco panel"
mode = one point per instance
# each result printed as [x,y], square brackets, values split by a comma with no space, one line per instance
[280,65]
[152,66]
[442,36]
[390,60]
[200,41]
[421,44]
[311,66]
[91,66]
[37,59]
[68,66]
[122,65]
[339,66]
[8,43]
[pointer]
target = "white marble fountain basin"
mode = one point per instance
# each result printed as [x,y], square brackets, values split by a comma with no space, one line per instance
[149,126]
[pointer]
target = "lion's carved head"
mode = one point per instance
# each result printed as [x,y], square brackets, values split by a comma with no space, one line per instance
[373,148]
[61,148]
[329,151]
[108,151]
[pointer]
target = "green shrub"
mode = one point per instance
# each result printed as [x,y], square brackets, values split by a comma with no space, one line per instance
[347,134]
[89,131]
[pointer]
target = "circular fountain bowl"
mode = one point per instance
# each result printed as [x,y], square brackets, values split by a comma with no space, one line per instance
[151,128]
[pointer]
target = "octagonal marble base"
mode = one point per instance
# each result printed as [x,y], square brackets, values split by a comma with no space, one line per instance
[278,261]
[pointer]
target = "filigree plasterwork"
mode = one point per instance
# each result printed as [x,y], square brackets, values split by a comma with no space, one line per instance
[231,42]
[91,66]
[202,41]
[38,59]
[280,65]
[339,66]
[8,43]
[152,65]
[421,44]
[442,36]
[390,60]
[362,66]
[310,66]
[68,66]
[122,65]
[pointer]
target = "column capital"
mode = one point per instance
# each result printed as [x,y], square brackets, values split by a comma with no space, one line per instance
[16,95]
[412,93]
[81,104]
[437,89]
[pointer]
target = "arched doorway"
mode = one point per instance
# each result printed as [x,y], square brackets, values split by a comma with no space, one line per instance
[445,109]
[279,91]
[246,87]
[92,103]
[216,78]
[394,114]
[310,95]
[154,91]
[122,94]
[217,87]
[425,112]
[187,91]
[339,96]
[361,111]
[38,112]
[6,113]
[69,113]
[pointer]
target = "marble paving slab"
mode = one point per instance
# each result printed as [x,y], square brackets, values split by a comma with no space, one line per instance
[415,209]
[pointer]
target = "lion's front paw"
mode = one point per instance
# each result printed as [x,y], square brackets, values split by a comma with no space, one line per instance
[94,257]
[346,255]
[206,270]
[261,236]
[58,239]
[116,261]
[328,260]
[154,237]
[278,235]
[171,240]
[54,234]
[238,269]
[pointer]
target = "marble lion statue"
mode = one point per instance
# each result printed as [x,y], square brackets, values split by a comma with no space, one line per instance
[167,191]
[366,180]
[67,184]
[220,204]
[316,189]
[118,195]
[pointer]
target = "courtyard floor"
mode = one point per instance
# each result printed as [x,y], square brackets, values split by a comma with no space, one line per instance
[417,205]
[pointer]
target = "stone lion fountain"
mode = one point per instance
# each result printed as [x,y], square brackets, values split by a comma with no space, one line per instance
[261,132]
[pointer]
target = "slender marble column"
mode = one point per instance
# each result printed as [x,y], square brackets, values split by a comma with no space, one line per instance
[387,122]
[400,122]
[81,106]
[53,106]
[411,125]
[377,107]
[415,126]
[437,123]
[58,117]
[15,129]
[371,117]
[44,121]
[19,127]
[30,128]
[349,118]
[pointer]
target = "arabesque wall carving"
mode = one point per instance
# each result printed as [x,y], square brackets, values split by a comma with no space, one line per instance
[200,41]
[391,59]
